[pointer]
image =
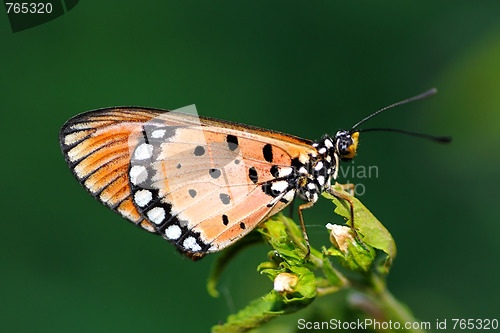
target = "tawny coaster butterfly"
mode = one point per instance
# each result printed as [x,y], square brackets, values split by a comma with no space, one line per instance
[200,183]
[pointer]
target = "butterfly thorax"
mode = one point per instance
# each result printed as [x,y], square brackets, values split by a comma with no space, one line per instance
[319,169]
[316,173]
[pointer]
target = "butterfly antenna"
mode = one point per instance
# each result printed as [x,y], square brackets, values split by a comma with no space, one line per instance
[439,139]
[412,99]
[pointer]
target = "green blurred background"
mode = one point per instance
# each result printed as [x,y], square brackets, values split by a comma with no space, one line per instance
[69,264]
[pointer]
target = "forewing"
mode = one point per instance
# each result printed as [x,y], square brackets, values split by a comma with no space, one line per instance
[200,183]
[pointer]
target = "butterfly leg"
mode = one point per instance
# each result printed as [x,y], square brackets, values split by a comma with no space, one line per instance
[341,195]
[302,225]
[290,209]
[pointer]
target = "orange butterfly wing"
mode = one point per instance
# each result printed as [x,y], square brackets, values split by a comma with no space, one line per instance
[201,183]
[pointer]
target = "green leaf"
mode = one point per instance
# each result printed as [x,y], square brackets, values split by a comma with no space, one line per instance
[285,237]
[305,290]
[352,255]
[258,312]
[370,230]
[274,304]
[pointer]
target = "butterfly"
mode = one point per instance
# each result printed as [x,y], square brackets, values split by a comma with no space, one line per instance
[200,183]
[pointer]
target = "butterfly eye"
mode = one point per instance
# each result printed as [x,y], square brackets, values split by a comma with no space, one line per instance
[347,144]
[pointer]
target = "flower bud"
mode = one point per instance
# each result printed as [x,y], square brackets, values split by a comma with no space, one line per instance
[352,255]
[285,282]
[340,236]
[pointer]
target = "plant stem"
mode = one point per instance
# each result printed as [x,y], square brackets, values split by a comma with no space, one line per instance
[389,307]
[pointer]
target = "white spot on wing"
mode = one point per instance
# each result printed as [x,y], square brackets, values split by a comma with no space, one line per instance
[173,232]
[279,186]
[156,215]
[138,174]
[322,151]
[303,158]
[191,244]
[143,197]
[158,134]
[289,195]
[144,151]
[283,172]
[328,143]
[321,180]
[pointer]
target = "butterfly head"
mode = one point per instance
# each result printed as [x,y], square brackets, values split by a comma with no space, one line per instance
[346,144]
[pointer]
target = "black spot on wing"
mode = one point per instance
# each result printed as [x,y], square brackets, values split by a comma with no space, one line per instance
[199,151]
[214,173]
[225,219]
[267,189]
[275,171]
[145,135]
[252,174]
[284,200]
[232,142]
[225,198]
[267,151]
[296,163]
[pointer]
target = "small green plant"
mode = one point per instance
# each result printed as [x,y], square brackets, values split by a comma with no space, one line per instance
[344,267]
